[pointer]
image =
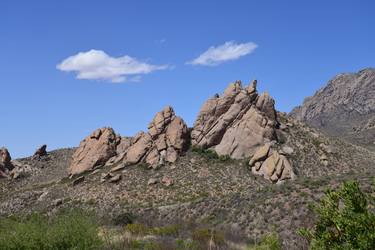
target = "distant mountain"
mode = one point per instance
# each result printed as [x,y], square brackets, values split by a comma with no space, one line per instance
[344,108]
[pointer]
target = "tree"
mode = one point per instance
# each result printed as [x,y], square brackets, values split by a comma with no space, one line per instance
[344,220]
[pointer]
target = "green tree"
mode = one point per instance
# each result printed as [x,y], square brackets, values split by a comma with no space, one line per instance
[344,220]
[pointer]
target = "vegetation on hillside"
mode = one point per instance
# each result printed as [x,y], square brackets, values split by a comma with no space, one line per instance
[346,220]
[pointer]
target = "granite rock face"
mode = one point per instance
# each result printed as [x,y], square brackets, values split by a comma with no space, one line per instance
[344,108]
[167,137]
[236,123]
[95,150]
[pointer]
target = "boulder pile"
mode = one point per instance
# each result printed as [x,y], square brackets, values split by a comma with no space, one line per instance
[239,124]
[167,137]
[272,164]
[236,123]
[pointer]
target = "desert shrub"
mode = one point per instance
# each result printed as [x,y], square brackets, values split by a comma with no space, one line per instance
[268,242]
[123,219]
[344,220]
[171,230]
[204,236]
[137,229]
[66,230]
[210,154]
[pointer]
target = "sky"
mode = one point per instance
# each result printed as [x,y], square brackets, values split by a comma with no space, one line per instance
[69,67]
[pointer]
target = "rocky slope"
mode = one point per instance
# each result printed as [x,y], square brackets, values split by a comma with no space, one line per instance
[202,184]
[344,108]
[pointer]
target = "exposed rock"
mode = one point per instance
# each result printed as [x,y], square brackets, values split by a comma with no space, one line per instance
[94,150]
[78,180]
[152,181]
[5,162]
[166,139]
[286,150]
[275,166]
[118,168]
[57,202]
[167,181]
[115,178]
[261,154]
[236,123]
[40,152]
[5,159]
[344,108]
[19,170]
[123,145]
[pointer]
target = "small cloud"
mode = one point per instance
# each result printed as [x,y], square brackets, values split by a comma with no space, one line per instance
[97,65]
[163,40]
[226,52]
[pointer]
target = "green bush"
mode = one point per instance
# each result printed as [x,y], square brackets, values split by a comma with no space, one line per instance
[210,154]
[68,230]
[268,242]
[344,220]
[138,229]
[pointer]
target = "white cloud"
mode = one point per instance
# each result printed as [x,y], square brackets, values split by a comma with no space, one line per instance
[97,65]
[222,53]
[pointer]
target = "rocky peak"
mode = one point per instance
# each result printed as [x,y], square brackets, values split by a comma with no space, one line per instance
[343,107]
[237,122]
[167,137]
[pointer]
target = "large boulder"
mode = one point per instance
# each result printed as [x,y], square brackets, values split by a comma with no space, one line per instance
[94,150]
[236,123]
[5,162]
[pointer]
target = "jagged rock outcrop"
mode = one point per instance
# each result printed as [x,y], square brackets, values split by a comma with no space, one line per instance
[236,123]
[40,152]
[273,165]
[344,108]
[94,150]
[5,162]
[166,139]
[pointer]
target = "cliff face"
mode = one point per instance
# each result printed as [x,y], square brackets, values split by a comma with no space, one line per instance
[344,108]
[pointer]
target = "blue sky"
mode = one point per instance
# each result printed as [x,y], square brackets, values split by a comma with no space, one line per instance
[138,56]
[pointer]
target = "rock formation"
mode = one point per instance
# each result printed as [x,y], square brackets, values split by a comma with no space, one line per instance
[40,152]
[166,139]
[94,150]
[344,108]
[5,162]
[273,165]
[236,123]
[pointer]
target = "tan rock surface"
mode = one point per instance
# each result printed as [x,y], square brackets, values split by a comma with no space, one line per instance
[236,123]
[94,150]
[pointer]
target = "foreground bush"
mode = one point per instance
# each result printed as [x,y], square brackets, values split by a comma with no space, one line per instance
[67,230]
[344,220]
[268,242]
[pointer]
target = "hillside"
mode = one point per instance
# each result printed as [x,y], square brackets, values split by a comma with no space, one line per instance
[200,187]
[344,108]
